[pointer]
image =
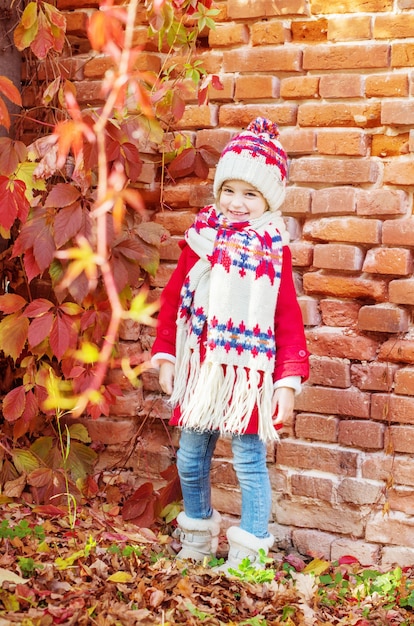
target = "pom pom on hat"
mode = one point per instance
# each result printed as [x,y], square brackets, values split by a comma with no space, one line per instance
[256,156]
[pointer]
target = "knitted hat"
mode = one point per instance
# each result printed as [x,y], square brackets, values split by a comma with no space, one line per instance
[256,156]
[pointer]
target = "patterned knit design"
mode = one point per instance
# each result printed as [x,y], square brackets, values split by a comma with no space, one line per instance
[233,290]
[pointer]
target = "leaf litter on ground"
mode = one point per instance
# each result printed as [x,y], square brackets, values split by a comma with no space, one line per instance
[100,570]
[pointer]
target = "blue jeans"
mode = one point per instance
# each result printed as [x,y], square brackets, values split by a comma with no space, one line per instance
[249,461]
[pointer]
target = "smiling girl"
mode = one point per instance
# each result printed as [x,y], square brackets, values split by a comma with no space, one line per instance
[230,343]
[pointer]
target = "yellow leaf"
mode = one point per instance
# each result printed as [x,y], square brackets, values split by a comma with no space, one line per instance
[25,173]
[24,461]
[88,353]
[69,561]
[79,432]
[120,577]
[316,567]
[43,547]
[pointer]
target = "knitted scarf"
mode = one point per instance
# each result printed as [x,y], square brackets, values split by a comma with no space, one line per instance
[233,288]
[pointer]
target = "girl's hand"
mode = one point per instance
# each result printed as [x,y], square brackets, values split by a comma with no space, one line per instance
[282,406]
[166,376]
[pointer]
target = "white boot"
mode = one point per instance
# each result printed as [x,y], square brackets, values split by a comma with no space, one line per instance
[241,545]
[198,537]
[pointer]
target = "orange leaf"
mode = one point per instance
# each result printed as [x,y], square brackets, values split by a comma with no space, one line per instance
[13,334]
[4,115]
[11,303]
[8,89]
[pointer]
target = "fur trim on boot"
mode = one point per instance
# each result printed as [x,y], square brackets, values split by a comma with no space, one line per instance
[241,545]
[198,537]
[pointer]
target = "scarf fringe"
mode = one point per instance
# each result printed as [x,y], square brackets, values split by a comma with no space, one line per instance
[223,400]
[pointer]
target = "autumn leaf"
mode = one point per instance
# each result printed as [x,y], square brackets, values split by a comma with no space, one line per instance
[8,89]
[11,153]
[13,202]
[11,303]
[13,334]
[14,403]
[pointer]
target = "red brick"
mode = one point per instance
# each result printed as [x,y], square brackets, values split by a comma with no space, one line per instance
[269,32]
[335,171]
[334,200]
[352,402]
[349,28]
[365,435]
[349,6]
[401,173]
[334,342]
[298,141]
[344,229]
[373,376]
[404,381]
[401,291]
[268,59]
[401,499]
[388,261]
[390,529]
[397,112]
[256,87]
[389,145]
[302,253]
[170,250]
[402,54]
[230,34]
[89,92]
[310,31]
[342,142]
[368,554]
[239,117]
[382,467]
[336,256]
[396,555]
[397,351]
[381,202]
[176,222]
[310,311]
[312,487]
[298,87]
[313,542]
[362,115]
[201,194]
[337,286]
[316,427]
[298,201]
[341,86]
[224,94]
[215,138]
[392,408]
[205,116]
[329,372]
[386,86]
[76,23]
[328,517]
[308,456]
[337,313]
[357,491]
[239,9]
[393,26]
[346,56]
[400,439]
[129,404]
[398,232]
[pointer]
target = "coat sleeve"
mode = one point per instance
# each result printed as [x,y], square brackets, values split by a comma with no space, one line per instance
[292,356]
[170,298]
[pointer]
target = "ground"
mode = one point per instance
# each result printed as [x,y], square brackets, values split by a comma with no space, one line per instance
[93,568]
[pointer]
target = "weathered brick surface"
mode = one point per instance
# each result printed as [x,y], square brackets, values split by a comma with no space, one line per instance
[337,76]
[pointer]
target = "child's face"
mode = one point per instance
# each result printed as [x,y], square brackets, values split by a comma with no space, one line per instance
[240,201]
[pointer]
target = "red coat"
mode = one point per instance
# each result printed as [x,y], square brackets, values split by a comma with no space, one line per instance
[292,357]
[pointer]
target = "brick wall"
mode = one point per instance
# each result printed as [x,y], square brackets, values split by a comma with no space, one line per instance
[338,77]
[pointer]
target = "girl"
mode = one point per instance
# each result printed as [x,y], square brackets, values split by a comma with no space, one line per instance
[230,342]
